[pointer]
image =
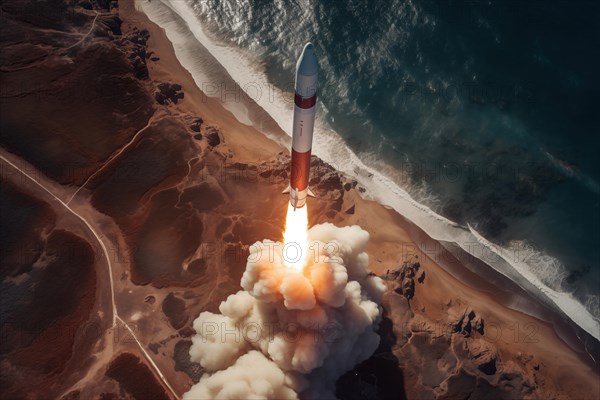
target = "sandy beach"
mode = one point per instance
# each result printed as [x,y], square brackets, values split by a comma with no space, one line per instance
[449,332]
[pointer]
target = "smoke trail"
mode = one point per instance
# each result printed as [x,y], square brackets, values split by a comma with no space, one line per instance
[291,334]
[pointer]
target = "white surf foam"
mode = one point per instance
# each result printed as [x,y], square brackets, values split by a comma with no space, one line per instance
[329,146]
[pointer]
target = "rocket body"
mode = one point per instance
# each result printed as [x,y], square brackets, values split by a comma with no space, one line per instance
[305,101]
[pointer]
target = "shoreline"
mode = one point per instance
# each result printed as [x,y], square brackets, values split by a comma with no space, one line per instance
[383,190]
[383,241]
[170,188]
[531,298]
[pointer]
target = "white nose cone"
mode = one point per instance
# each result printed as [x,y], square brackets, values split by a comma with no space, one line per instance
[307,69]
[307,63]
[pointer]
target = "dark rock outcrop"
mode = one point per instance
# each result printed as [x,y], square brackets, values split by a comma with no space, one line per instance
[213,136]
[403,278]
[408,288]
[112,23]
[139,37]
[488,368]
[196,124]
[183,363]
[174,309]
[465,322]
[140,68]
[136,45]
[187,331]
[483,355]
[168,93]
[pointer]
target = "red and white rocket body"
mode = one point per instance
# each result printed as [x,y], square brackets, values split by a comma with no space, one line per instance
[305,107]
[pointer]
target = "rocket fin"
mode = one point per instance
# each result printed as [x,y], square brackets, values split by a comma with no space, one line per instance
[286,190]
[310,193]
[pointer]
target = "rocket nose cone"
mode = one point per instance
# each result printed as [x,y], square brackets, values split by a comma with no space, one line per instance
[307,63]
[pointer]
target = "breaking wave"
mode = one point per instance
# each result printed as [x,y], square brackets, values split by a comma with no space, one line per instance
[203,53]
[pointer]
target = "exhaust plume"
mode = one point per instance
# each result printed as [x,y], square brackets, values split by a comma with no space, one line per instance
[291,333]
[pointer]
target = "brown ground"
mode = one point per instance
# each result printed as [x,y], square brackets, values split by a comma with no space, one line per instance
[135,378]
[42,314]
[24,220]
[42,77]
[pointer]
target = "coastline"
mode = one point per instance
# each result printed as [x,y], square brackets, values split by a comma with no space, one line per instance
[162,190]
[188,39]
[564,370]
[249,144]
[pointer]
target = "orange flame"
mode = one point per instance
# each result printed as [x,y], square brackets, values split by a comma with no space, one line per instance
[295,238]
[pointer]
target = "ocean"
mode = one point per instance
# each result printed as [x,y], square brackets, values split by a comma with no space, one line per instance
[473,119]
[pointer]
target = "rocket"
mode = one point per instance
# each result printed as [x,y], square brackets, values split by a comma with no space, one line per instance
[305,107]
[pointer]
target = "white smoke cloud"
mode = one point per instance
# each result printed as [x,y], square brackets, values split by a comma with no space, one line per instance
[291,334]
